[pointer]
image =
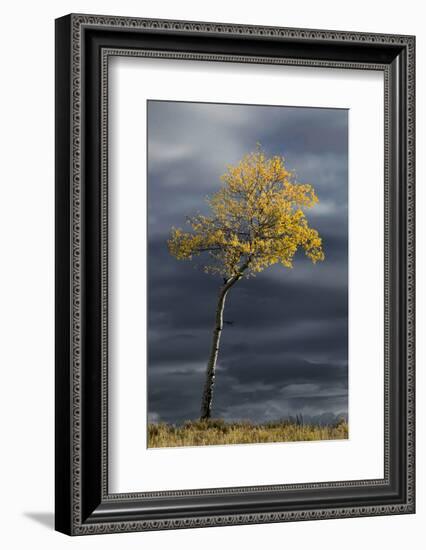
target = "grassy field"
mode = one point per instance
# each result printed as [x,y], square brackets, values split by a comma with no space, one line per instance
[219,432]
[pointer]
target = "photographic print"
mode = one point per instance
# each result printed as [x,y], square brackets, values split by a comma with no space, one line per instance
[217,188]
[247,274]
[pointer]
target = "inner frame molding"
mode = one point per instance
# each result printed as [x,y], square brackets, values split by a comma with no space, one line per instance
[84,43]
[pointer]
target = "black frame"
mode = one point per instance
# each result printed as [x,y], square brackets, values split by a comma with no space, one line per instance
[83,45]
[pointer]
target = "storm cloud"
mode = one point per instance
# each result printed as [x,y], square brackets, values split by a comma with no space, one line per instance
[284,350]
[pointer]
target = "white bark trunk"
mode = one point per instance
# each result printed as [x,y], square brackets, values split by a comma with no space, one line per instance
[207,399]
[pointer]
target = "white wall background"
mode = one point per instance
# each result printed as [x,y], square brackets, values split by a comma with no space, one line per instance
[26,288]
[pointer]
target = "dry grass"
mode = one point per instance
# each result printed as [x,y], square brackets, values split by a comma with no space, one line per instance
[219,432]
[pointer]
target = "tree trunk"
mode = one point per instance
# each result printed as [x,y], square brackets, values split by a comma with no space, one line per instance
[206,402]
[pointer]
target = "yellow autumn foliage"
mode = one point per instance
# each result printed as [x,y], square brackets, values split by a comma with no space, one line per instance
[257,220]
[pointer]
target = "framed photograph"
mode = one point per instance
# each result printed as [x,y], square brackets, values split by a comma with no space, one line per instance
[234,274]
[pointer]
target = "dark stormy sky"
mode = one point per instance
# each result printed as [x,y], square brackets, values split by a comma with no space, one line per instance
[286,353]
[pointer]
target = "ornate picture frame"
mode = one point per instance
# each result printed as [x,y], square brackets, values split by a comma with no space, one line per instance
[84,45]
